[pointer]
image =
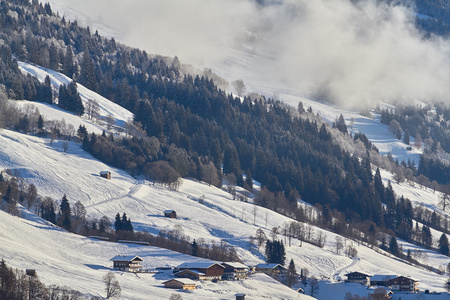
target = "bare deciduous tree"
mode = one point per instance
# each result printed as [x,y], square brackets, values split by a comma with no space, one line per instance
[112,286]
[92,109]
[239,85]
[339,244]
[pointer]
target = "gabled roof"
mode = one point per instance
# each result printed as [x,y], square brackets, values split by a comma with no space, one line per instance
[126,258]
[406,277]
[169,211]
[268,266]
[236,265]
[357,274]
[104,172]
[205,265]
[382,277]
[190,271]
[181,280]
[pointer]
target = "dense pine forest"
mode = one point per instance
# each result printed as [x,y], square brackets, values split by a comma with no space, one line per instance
[186,126]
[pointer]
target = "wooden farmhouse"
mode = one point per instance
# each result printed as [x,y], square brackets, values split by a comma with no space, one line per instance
[191,274]
[235,270]
[105,174]
[270,269]
[212,271]
[127,263]
[381,280]
[170,214]
[380,294]
[358,277]
[180,283]
[402,283]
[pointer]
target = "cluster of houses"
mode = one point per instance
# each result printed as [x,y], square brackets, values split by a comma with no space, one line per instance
[385,284]
[186,274]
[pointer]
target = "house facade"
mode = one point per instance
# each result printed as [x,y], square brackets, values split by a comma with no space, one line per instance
[381,280]
[180,283]
[235,270]
[191,274]
[270,269]
[212,271]
[127,263]
[358,277]
[402,283]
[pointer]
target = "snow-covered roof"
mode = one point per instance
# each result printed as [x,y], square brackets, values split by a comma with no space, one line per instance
[126,258]
[198,265]
[192,271]
[182,280]
[382,277]
[267,266]
[236,265]
[105,172]
[169,211]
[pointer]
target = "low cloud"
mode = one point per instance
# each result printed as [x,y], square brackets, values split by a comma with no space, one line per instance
[350,52]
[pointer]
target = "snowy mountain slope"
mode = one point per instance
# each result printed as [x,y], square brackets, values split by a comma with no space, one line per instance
[55,172]
[106,107]
[246,59]
[66,259]
[146,203]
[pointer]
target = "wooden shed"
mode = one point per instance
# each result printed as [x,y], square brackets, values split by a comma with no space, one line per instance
[105,174]
[170,214]
[180,283]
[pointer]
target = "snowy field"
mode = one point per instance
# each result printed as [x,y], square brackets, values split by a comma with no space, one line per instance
[217,217]
[67,259]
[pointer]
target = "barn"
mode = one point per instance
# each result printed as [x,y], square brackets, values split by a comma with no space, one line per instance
[170,213]
[213,271]
[180,283]
[105,174]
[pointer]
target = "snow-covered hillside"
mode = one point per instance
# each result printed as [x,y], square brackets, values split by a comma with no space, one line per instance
[204,212]
[217,217]
[69,260]
[106,107]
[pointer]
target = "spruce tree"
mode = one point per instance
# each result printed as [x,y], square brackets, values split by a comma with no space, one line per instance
[393,246]
[443,244]
[118,223]
[291,274]
[65,221]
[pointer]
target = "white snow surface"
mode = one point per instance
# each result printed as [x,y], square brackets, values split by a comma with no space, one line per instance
[68,259]
[106,107]
[63,258]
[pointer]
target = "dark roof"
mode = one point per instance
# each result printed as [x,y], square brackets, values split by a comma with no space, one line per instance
[356,274]
[204,265]
[181,280]
[126,258]
[191,271]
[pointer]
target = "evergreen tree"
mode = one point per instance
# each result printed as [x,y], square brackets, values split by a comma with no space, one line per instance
[275,252]
[443,244]
[68,64]
[118,223]
[406,137]
[291,274]
[65,220]
[393,246]
[194,248]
